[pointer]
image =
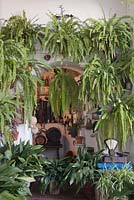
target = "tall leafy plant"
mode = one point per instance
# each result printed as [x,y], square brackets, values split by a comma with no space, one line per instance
[83,169]
[63,92]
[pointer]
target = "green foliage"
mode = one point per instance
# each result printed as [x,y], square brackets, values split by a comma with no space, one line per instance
[7,109]
[100,81]
[62,38]
[14,63]
[83,168]
[13,56]
[54,171]
[117,119]
[109,36]
[63,92]
[12,184]
[113,183]
[24,156]
[125,66]
[22,30]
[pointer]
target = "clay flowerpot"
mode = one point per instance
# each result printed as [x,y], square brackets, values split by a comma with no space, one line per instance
[12,85]
[29,68]
[15,135]
[40,139]
[79,139]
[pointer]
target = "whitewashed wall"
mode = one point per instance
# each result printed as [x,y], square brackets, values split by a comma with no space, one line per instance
[82,9]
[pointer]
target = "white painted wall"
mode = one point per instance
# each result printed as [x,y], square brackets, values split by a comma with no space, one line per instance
[82,9]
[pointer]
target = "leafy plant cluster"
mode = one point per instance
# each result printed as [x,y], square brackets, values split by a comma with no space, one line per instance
[116,184]
[76,171]
[18,69]
[83,169]
[18,167]
[107,53]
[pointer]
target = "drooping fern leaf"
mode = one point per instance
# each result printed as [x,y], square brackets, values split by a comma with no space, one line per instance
[63,93]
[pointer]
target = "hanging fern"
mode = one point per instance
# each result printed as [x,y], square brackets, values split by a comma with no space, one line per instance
[125,66]
[7,109]
[22,30]
[109,36]
[62,38]
[100,82]
[117,120]
[63,93]
[14,61]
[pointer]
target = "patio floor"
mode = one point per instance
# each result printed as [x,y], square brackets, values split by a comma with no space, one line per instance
[57,197]
[68,193]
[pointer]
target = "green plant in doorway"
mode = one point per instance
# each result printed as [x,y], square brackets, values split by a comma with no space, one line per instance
[54,175]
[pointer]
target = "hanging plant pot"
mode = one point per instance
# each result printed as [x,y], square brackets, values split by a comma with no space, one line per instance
[79,139]
[29,68]
[12,85]
[15,135]
[40,139]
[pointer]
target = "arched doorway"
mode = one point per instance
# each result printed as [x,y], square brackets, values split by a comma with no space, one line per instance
[44,113]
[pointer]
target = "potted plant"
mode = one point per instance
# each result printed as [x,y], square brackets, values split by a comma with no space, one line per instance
[22,30]
[62,37]
[115,184]
[83,169]
[117,119]
[53,177]
[63,93]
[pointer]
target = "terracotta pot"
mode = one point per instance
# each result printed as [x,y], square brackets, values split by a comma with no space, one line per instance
[79,139]
[89,191]
[29,68]
[15,135]
[40,139]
